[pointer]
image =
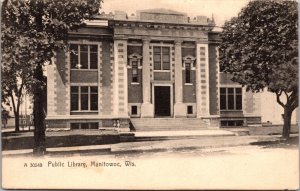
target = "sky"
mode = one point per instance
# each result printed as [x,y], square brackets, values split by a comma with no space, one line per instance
[221,9]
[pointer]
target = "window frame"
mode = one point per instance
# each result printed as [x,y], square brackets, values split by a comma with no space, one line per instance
[78,53]
[188,60]
[135,58]
[161,55]
[234,94]
[89,94]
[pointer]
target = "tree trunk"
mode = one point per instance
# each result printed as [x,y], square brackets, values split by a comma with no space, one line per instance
[17,122]
[38,113]
[287,122]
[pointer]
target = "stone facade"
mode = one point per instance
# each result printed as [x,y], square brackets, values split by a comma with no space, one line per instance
[159,63]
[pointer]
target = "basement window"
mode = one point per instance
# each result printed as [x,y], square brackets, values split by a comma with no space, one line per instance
[93,125]
[189,109]
[134,110]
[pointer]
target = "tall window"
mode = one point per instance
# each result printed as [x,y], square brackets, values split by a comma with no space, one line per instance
[161,58]
[134,71]
[231,98]
[84,56]
[187,72]
[84,98]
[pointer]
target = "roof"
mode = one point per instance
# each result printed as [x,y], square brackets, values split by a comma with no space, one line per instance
[162,11]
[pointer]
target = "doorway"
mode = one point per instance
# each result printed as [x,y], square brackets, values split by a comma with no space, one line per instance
[162,101]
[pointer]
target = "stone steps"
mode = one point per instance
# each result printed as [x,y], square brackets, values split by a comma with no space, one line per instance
[167,124]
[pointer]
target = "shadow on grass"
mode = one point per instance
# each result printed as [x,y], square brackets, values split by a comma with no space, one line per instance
[14,143]
[281,143]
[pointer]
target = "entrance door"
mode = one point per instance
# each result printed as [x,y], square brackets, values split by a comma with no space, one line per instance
[162,101]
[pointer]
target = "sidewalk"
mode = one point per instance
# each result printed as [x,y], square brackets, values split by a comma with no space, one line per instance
[153,146]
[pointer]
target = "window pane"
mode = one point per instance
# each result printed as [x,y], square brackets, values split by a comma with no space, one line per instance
[94,125]
[156,57]
[84,89]
[165,50]
[223,90]
[93,48]
[73,47]
[238,90]
[156,49]
[94,102]
[73,55]
[84,101]
[222,102]
[74,102]
[230,101]
[166,66]
[166,58]
[83,48]
[230,90]
[134,79]
[93,60]
[190,109]
[157,66]
[134,110]
[84,125]
[94,89]
[84,60]
[187,76]
[134,71]
[74,89]
[239,101]
[74,125]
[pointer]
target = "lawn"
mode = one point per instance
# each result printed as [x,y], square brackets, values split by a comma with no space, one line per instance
[24,140]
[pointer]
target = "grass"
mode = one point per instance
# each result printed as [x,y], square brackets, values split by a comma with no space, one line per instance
[13,141]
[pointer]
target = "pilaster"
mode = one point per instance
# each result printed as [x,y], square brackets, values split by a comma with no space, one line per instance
[120,78]
[202,80]
[147,109]
[179,107]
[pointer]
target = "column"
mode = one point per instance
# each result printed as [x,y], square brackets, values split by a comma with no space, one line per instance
[179,107]
[147,109]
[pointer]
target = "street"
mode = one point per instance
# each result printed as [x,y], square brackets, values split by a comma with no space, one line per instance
[239,167]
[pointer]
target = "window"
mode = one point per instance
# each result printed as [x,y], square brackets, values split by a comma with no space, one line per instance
[230,123]
[135,63]
[93,125]
[134,110]
[84,98]
[230,98]
[189,109]
[161,57]
[84,56]
[187,72]
[134,71]
[188,64]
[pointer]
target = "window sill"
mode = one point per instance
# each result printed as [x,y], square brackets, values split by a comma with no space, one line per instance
[232,110]
[161,70]
[135,83]
[188,84]
[84,112]
[73,69]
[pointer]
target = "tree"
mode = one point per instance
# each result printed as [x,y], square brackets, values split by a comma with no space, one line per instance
[15,68]
[42,27]
[259,49]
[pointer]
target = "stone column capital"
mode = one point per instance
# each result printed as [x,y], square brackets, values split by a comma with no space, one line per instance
[146,40]
[178,42]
